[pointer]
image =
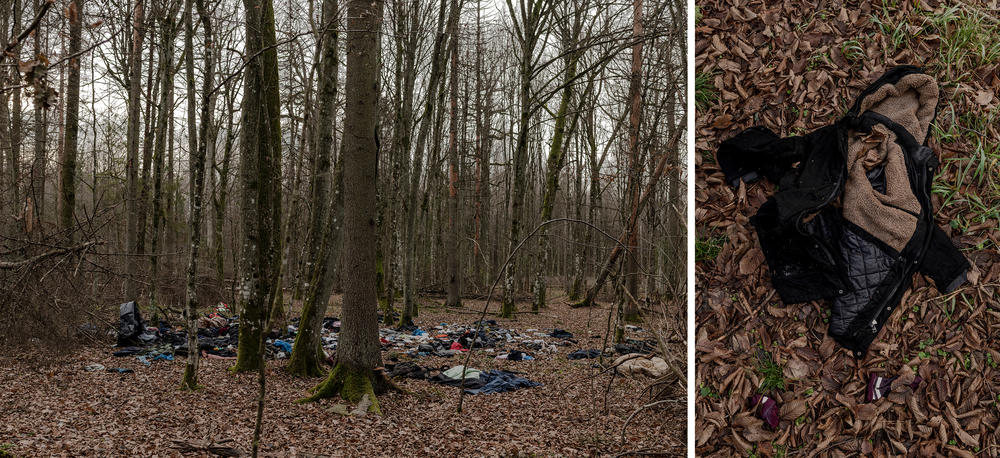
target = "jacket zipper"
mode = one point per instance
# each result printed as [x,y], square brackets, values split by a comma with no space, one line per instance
[921,173]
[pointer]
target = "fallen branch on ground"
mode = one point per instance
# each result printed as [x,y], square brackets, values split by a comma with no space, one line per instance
[208,446]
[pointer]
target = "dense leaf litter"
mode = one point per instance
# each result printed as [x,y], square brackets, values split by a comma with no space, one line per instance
[769,380]
[54,405]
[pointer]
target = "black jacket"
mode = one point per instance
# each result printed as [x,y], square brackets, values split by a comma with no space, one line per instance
[852,220]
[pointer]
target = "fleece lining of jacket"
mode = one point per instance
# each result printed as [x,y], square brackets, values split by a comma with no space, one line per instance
[890,216]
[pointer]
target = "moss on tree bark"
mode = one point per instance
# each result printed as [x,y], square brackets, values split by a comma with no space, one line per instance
[352,383]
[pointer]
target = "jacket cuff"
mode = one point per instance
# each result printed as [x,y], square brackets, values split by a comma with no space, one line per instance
[944,263]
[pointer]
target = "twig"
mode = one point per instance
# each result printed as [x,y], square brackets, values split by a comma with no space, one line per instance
[632,222]
[640,409]
[10,265]
[27,30]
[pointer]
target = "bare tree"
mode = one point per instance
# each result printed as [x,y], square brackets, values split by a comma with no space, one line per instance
[307,354]
[454,225]
[190,380]
[260,176]
[426,120]
[635,166]
[168,32]
[570,32]
[358,352]
[75,12]
[531,20]
[132,147]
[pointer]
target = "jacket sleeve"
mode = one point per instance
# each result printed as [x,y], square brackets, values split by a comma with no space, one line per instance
[944,263]
[757,152]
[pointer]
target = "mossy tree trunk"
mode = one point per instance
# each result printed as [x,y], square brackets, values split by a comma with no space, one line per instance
[260,174]
[557,149]
[533,19]
[307,353]
[358,352]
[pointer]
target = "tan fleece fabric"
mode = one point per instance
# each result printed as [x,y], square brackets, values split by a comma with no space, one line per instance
[890,217]
[638,364]
[910,103]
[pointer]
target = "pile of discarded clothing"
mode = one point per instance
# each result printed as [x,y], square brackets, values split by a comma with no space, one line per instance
[218,337]
[450,339]
[640,364]
[476,381]
[626,347]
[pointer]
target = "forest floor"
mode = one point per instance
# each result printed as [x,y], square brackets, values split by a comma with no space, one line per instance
[794,67]
[52,406]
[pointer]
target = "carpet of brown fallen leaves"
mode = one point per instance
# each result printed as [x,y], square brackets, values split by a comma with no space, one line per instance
[50,406]
[794,66]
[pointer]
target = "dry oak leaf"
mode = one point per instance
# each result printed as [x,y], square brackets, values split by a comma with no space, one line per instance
[796,369]
[723,121]
[751,261]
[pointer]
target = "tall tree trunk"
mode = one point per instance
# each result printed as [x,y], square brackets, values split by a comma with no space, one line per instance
[220,195]
[426,119]
[409,23]
[557,157]
[8,178]
[190,379]
[75,12]
[579,247]
[307,353]
[480,269]
[132,147]
[15,118]
[147,137]
[433,197]
[454,223]
[358,352]
[260,174]
[533,20]
[166,68]
[631,312]
[296,161]
[37,181]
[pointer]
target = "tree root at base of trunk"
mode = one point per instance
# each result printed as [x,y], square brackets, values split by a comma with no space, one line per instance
[582,303]
[302,365]
[352,384]
[190,380]
[305,367]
